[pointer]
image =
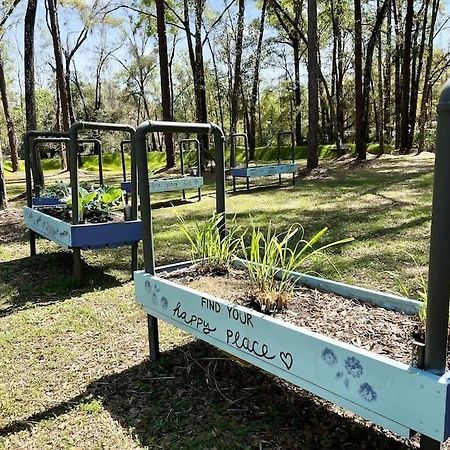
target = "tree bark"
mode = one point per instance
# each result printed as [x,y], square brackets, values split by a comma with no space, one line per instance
[60,76]
[3,198]
[313,87]
[426,91]
[374,37]
[255,85]
[359,99]
[406,77]
[165,80]
[30,96]
[237,68]
[8,119]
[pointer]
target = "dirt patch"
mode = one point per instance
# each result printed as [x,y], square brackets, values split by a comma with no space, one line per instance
[369,327]
[11,225]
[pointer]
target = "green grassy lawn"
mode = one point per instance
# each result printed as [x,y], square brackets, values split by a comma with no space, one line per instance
[73,367]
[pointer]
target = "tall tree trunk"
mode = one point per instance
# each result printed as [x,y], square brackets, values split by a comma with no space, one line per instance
[297,92]
[380,106]
[255,86]
[3,198]
[406,77]
[313,87]
[165,80]
[30,97]
[60,77]
[388,79]
[426,91]
[237,68]
[8,119]
[359,100]
[374,37]
[398,83]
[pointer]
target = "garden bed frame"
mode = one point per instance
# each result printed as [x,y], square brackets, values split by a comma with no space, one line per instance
[264,170]
[74,235]
[397,396]
[179,183]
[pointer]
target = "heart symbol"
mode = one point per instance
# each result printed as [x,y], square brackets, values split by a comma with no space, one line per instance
[287,359]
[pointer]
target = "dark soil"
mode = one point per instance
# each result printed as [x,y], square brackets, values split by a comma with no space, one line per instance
[373,328]
[94,216]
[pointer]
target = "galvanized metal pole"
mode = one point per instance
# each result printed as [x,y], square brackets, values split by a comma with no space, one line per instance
[439,267]
[196,142]
[139,146]
[73,167]
[29,185]
[29,169]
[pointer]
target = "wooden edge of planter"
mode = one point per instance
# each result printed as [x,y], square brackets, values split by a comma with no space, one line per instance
[47,226]
[109,234]
[266,170]
[168,185]
[392,394]
[387,301]
[95,235]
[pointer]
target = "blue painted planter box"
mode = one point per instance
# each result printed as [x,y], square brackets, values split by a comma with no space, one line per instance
[263,171]
[97,235]
[46,201]
[168,184]
[394,395]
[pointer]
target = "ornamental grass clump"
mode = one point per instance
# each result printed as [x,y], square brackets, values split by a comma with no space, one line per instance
[213,253]
[271,256]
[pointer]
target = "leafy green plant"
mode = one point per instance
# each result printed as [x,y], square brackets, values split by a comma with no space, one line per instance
[289,250]
[60,189]
[215,254]
[96,199]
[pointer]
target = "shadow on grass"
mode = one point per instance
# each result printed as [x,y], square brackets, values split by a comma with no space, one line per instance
[44,279]
[197,397]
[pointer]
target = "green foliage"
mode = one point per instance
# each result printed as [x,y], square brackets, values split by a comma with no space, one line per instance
[102,198]
[90,197]
[269,250]
[60,189]
[206,243]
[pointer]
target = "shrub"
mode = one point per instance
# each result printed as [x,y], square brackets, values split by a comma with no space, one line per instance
[213,253]
[270,250]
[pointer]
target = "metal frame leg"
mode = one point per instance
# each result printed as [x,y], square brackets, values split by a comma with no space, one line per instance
[248,184]
[153,338]
[279,179]
[234,184]
[199,194]
[184,195]
[134,259]
[32,236]
[427,443]
[76,269]
[293,179]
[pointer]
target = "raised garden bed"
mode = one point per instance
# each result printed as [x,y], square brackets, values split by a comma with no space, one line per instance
[169,184]
[358,357]
[87,236]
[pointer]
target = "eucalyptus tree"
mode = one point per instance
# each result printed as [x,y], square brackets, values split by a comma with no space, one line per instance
[30,84]
[166,94]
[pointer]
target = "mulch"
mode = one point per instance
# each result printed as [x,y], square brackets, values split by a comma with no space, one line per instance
[372,328]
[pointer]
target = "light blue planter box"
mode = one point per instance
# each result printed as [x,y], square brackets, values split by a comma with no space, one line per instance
[394,395]
[169,184]
[263,171]
[96,235]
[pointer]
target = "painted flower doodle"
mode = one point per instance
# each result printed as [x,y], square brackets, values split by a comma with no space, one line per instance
[353,367]
[367,393]
[164,302]
[148,285]
[329,357]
